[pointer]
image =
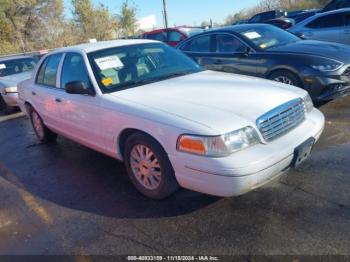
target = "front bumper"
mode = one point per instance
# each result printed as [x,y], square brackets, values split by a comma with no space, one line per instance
[328,87]
[248,169]
[10,98]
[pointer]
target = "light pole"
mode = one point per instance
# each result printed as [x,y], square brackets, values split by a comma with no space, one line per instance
[165,12]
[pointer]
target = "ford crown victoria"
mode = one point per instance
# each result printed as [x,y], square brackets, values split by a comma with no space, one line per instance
[171,122]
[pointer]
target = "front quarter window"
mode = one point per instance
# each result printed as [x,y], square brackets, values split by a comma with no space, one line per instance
[134,65]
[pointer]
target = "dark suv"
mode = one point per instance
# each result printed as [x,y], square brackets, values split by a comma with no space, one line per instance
[266,16]
[336,4]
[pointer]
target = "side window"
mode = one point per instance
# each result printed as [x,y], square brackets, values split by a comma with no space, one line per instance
[74,70]
[48,70]
[158,36]
[199,44]
[327,21]
[255,19]
[228,44]
[174,36]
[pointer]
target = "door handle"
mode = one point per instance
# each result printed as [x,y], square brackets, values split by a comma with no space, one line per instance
[33,93]
[59,100]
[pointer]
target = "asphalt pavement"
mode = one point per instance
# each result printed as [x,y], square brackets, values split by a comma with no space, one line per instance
[67,199]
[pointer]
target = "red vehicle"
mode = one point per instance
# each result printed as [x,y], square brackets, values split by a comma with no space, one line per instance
[173,36]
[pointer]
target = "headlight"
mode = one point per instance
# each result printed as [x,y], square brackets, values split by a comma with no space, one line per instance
[12,89]
[218,146]
[327,67]
[309,105]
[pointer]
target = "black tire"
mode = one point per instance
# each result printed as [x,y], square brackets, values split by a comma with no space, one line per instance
[45,135]
[288,75]
[167,183]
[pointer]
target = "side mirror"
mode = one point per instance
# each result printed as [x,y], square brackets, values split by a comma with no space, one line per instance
[78,87]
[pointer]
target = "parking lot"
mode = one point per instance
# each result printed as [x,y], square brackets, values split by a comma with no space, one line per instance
[67,199]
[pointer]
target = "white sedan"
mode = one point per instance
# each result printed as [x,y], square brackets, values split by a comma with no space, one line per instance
[171,122]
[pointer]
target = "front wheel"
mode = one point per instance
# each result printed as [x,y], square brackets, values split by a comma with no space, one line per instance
[148,167]
[44,134]
[285,77]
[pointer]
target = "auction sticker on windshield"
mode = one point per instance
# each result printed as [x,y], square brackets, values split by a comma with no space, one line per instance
[108,62]
[2,66]
[252,35]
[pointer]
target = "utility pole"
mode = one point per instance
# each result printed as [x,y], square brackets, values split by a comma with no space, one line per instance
[165,12]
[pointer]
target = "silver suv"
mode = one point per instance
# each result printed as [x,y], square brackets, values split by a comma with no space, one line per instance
[332,26]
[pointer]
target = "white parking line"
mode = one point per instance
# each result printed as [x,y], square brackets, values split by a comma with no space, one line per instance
[12,116]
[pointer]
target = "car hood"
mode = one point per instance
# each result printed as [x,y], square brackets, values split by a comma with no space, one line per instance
[219,101]
[330,50]
[13,80]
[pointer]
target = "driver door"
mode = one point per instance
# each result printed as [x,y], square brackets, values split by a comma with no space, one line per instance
[80,114]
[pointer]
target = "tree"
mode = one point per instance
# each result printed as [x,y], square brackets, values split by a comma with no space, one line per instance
[94,22]
[127,19]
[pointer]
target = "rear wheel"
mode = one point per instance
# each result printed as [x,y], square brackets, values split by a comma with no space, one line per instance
[286,77]
[148,167]
[44,134]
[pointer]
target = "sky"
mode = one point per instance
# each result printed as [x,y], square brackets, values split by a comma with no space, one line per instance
[180,12]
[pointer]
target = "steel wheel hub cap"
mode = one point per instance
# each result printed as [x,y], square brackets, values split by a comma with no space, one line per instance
[145,166]
[284,80]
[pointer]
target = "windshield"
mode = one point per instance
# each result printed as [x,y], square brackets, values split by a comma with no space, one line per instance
[16,66]
[268,37]
[130,66]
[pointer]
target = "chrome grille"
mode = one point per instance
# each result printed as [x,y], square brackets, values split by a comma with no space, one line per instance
[347,72]
[346,75]
[281,119]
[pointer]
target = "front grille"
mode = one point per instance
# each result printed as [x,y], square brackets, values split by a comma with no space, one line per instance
[347,72]
[281,119]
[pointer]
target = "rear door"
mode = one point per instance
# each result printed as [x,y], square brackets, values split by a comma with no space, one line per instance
[326,28]
[46,90]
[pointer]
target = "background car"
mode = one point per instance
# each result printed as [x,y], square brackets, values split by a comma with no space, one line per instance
[266,16]
[281,22]
[336,4]
[13,69]
[172,36]
[302,14]
[333,26]
[269,52]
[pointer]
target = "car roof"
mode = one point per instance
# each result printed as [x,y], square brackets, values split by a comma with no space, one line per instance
[91,47]
[13,57]
[239,28]
[317,15]
[332,12]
